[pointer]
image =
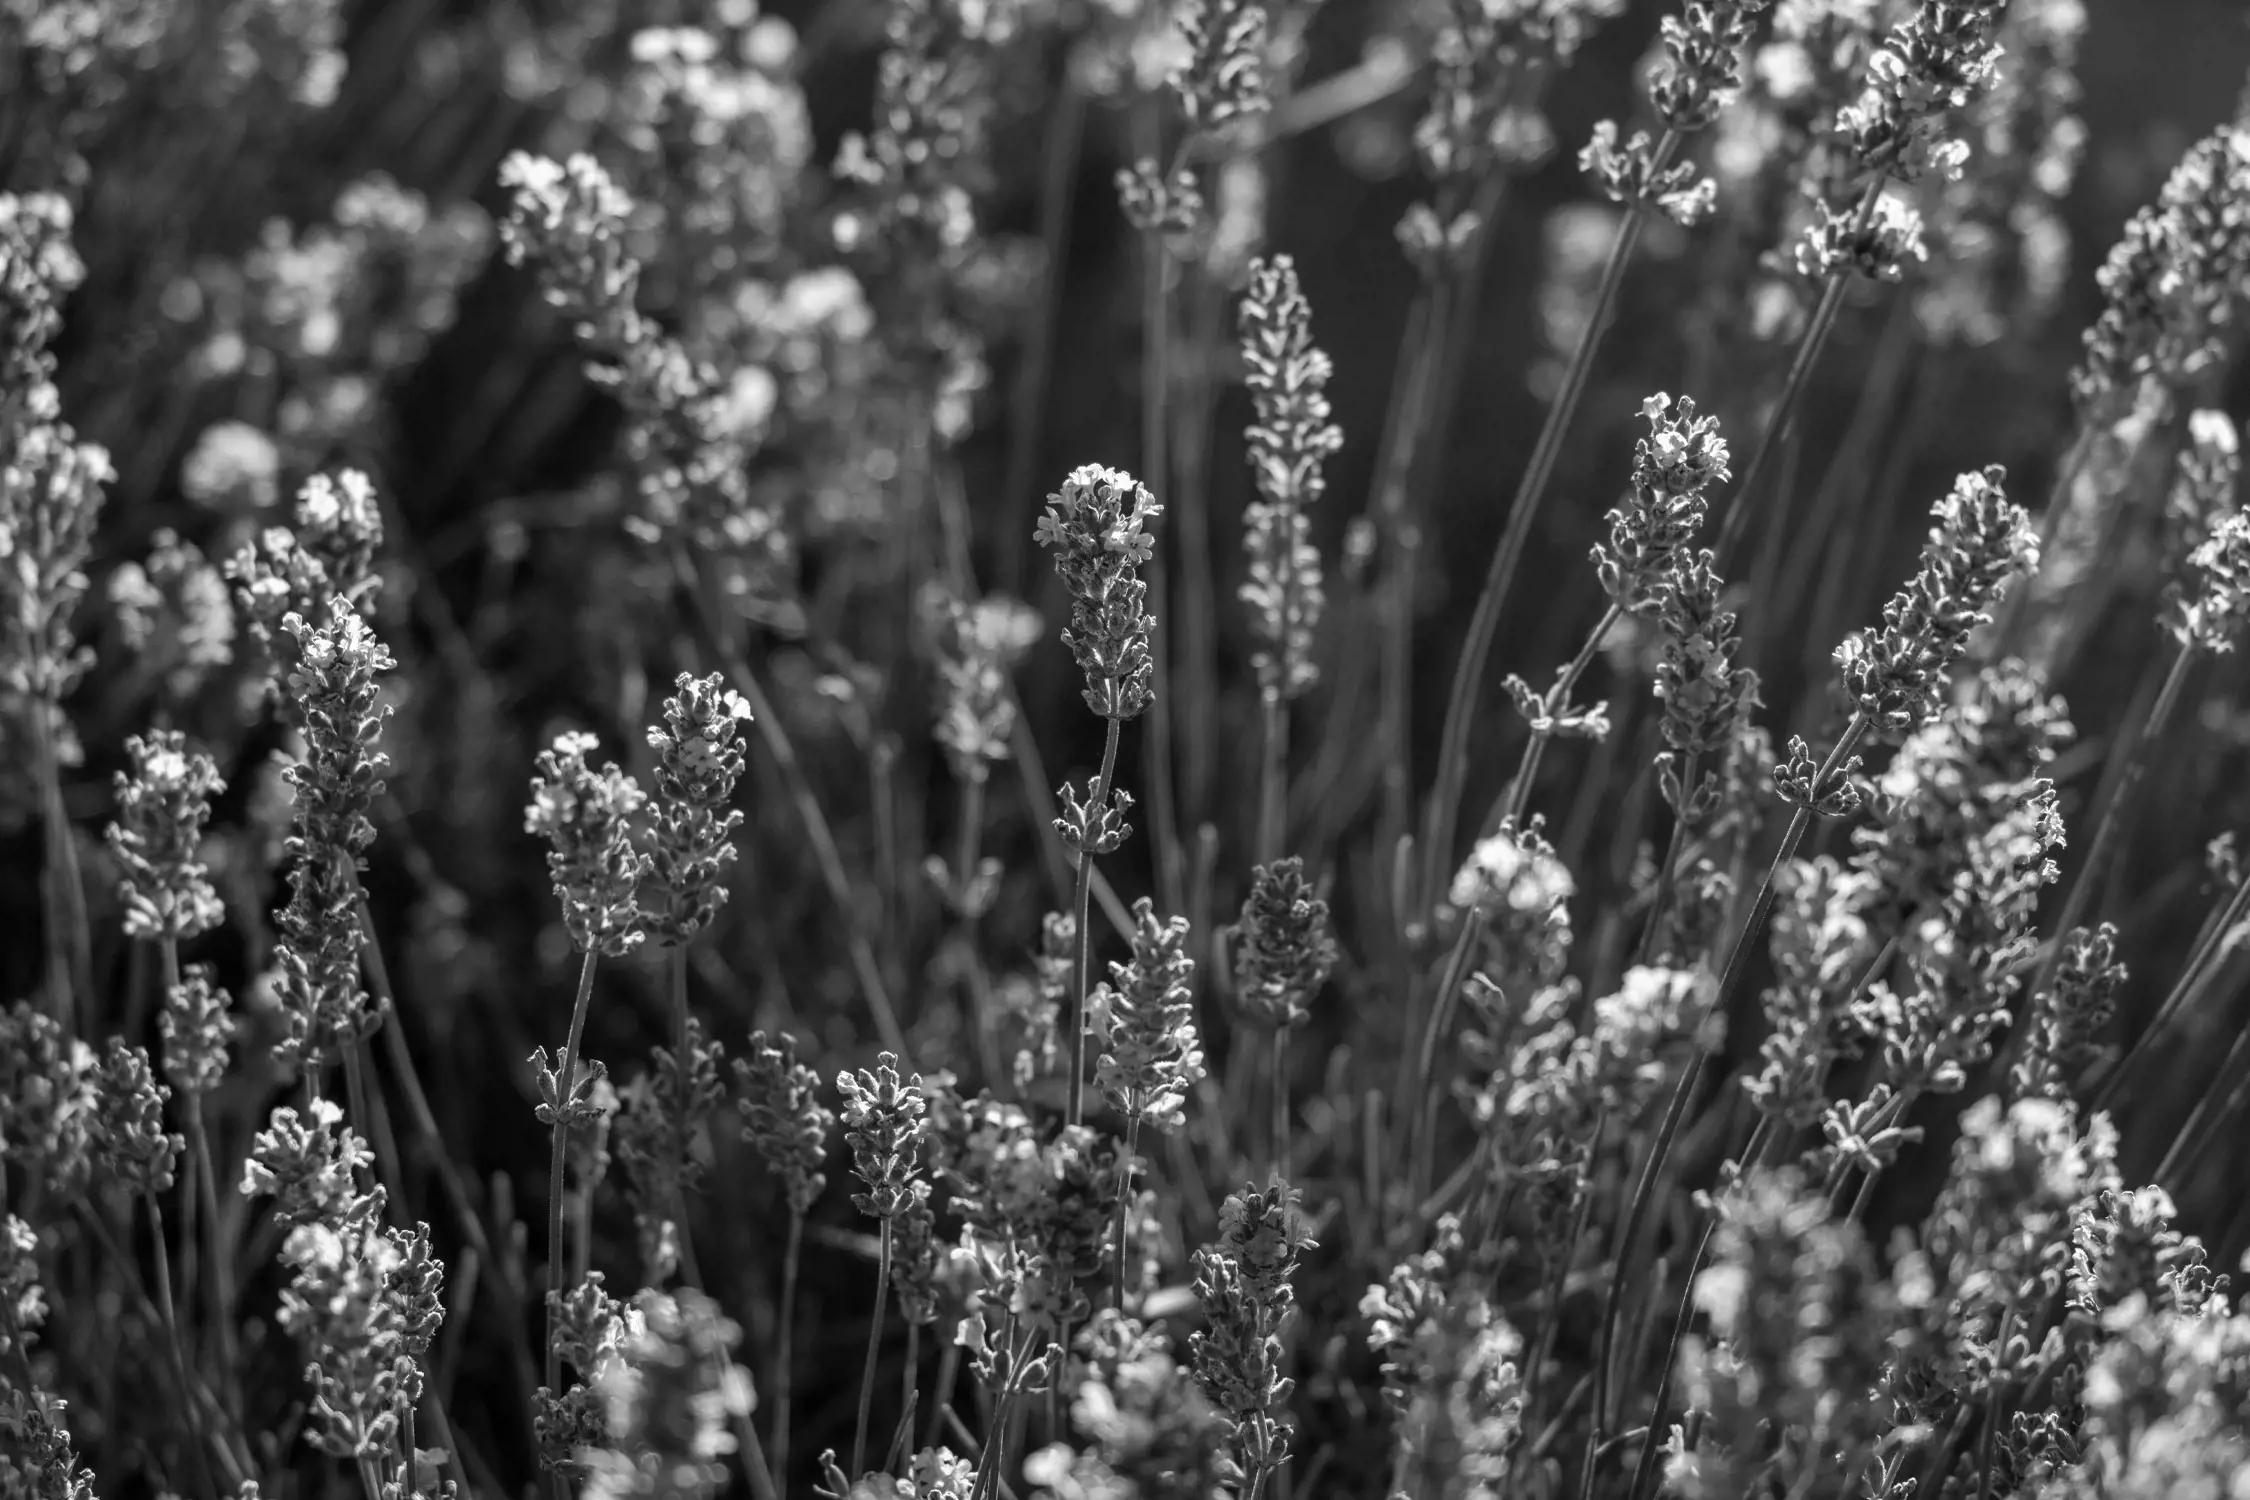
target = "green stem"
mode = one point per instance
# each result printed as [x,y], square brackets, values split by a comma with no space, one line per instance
[1484,623]
[1156,378]
[69,964]
[1273,778]
[557,1259]
[874,1348]
[785,1343]
[169,1310]
[1083,904]
[1809,347]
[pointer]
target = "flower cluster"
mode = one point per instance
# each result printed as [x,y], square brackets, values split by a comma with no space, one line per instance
[783,1117]
[671,1395]
[1681,458]
[1152,1058]
[1221,78]
[1979,542]
[1931,63]
[132,1150]
[1094,524]
[1288,442]
[1282,947]
[589,819]
[1244,1284]
[884,1120]
[163,801]
[691,838]
[977,645]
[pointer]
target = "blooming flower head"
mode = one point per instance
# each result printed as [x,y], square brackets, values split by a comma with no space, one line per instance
[589,819]
[1095,525]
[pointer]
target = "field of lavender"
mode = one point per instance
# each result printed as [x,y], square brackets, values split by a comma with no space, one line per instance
[1124,749]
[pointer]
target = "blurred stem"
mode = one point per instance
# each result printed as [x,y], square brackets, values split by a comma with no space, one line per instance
[1280,1057]
[2007,636]
[1164,812]
[1273,780]
[1809,347]
[69,966]
[2211,949]
[1065,128]
[683,1077]
[1125,1168]
[1668,871]
[2187,1142]
[1082,905]
[874,1347]
[2132,754]
[784,1354]
[1613,1302]
[1417,1094]
[556,1259]
[1484,623]
[817,832]
[218,1271]
[171,1314]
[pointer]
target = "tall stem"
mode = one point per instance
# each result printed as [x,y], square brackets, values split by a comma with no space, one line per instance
[784,1354]
[2132,764]
[557,1260]
[69,966]
[1156,385]
[874,1348]
[171,1315]
[1809,347]
[1468,673]
[1083,902]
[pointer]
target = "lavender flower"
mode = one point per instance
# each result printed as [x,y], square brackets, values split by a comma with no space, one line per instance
[1094,524]
[36,1456]
[1682,457]
[174,610]
[692,841]
[977,646]
[589,819]
[885,1124]
[23,1302]
[1221,80]
[1979,543]
[1153,1058]
[132,1149]
[2214,598]
[672,1396]
[1932,62]
[1243,1282]
[364,1303]
[1697,77]
[783,1117]
[307,1164]
[1288,442]
[162,804]
[196,1030]
[51,492]
[1707,695]
[1282,947]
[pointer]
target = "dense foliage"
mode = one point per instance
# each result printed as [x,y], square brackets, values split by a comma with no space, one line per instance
[1091,980]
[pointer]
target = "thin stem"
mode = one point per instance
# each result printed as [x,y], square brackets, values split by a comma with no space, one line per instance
[1667,871]
[1422,1119]
[2194,978]
[784,1354]
[683,1075]
[1636,1216]
[1809,347]
[2112,822]
[1280,1056]
[1273,779]
[1083,902]
[1156,384]
[1484,623]
[171,1315]
[874,1348]
[69,965]
[1122,1234]
[556,1258]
